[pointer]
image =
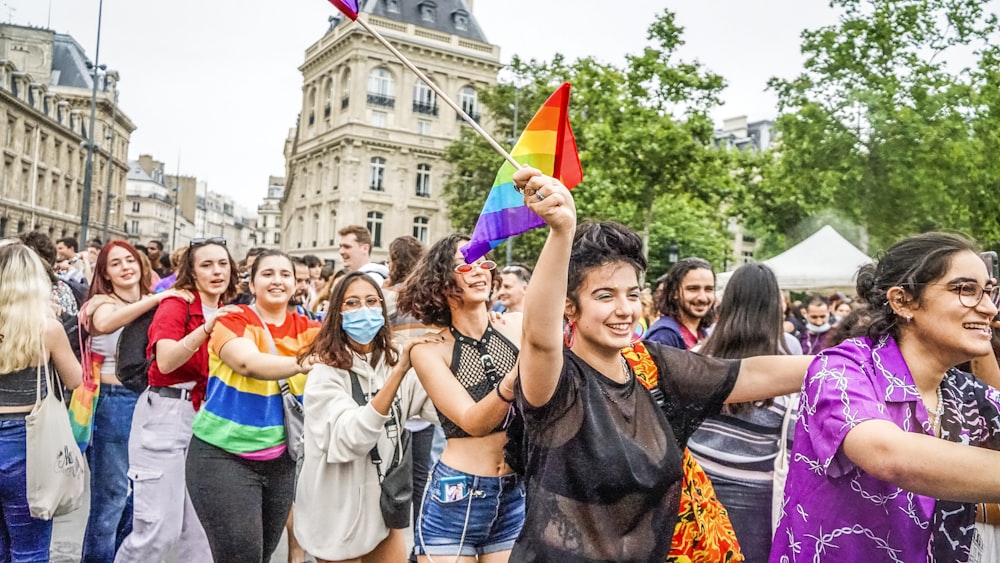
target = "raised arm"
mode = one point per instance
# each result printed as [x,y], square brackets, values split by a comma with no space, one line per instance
[172,354]
[541,345]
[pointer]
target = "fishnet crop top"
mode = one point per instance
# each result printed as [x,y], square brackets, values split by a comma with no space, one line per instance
[479,365]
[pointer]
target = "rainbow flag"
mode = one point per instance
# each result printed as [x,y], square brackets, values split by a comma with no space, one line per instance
[547,143]
[348,7]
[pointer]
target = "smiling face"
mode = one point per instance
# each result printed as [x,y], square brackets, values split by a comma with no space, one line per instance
[511,292]
[475,285]
[609,309]
[274,283]
[353,253]
[123,270]
[696,294]
[211,270]
[942,324]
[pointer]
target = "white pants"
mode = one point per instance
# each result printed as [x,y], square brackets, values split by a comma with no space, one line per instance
[164,525]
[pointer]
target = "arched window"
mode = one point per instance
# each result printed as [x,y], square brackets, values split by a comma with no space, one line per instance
[311,107]
[333,227]
[374,225]
[377,174]
[423,180]
[421,229]
[424,99]
[381,88]
[328,97]
[469,101]
[345,88]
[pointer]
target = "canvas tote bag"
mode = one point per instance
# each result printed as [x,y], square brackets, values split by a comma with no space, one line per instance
[56,468]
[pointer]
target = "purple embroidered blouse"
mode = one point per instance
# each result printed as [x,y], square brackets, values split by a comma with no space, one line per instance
[834,511]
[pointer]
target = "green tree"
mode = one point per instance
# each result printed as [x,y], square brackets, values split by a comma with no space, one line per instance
[878,129]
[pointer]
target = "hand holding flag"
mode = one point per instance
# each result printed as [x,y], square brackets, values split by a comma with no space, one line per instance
[547,143]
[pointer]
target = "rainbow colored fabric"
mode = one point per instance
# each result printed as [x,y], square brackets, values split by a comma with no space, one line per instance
[241,414]
[348,7]
[548,144]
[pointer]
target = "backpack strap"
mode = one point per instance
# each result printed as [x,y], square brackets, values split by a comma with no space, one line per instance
[359,398]
[645,370]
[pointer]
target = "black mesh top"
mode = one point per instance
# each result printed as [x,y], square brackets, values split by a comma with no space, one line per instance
[479,365]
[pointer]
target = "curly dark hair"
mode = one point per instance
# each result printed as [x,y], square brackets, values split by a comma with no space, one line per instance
[911,264]
[404,253]
[332,345]
[600,244]
[426,291]
[666,298]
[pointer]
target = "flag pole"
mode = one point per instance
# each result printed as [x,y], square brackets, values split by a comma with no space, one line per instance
[430,83]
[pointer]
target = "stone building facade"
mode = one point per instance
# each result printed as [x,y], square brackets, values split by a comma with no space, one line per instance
[269,214]
[369,143]
[45,90]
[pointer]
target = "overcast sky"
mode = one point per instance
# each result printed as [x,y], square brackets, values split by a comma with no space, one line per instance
[214,83]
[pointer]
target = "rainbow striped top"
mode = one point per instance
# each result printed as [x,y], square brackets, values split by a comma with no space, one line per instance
[241,414]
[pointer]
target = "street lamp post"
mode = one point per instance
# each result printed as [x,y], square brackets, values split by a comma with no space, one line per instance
[108,196]
[673,253]
[88,171]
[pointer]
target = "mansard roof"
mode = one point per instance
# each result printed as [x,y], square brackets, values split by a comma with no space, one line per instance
[446,16]
[69,63]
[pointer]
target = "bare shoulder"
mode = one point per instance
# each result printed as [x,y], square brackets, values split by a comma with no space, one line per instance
[510,325]
[432,352]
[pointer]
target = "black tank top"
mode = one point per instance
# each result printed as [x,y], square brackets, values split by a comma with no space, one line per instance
[479,365]
[17,388]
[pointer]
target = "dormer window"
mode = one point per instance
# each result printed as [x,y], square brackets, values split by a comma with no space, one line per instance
[392,6]
[428,11]
[461,20]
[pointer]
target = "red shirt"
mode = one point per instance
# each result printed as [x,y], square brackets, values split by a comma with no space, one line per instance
[168,322]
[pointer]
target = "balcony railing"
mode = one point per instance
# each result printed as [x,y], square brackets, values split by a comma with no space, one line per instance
[425,108]
[381,100]
[475,116]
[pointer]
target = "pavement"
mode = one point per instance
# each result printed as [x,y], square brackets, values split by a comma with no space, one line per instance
[67,537]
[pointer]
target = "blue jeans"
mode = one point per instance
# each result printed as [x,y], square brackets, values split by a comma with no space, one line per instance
[469,515]
[110,518]
[749,510]
[23,539]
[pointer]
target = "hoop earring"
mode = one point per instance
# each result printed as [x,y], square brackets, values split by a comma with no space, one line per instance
[569,333]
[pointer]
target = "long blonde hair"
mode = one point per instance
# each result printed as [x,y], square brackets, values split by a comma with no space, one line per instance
[25,304]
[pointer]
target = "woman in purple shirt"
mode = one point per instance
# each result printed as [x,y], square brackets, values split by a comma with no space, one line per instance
[881,468]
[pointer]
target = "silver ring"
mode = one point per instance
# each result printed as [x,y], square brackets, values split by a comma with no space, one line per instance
[539,196]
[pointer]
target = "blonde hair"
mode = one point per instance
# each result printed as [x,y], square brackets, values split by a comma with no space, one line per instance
[25,304]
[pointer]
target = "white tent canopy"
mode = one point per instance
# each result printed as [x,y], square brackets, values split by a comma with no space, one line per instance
[824,260]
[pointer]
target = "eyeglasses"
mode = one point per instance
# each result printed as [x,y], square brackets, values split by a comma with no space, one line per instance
[353,303]
[195,242]
[464,268]
[970,294]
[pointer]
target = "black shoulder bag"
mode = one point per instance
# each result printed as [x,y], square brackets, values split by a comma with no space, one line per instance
[397,481]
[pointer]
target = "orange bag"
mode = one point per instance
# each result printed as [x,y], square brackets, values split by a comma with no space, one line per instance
[703,532]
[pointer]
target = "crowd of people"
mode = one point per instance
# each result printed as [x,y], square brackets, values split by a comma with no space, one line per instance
[534,415]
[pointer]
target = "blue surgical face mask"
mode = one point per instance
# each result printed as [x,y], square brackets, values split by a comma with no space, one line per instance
[362,324]
[818,329]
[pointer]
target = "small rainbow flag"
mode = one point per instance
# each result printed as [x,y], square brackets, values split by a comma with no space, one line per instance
[547,143]
[348,7]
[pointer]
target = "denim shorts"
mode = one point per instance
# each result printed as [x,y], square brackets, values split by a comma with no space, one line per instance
[468,515]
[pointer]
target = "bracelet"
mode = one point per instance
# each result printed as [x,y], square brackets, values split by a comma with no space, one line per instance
[499,394]
[205,328]
[184,344]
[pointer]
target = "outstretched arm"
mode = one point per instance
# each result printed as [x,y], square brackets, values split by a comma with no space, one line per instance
[541,345]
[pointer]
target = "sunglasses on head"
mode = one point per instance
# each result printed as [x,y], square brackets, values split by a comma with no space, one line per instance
[463,268]
[195,242]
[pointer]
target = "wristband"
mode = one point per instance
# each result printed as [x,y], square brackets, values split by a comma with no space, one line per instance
[499,394]
[205,328]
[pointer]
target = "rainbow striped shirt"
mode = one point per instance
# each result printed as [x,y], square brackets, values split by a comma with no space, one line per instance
[243,415]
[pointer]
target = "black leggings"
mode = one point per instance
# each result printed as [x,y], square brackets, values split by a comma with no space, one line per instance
[242,504]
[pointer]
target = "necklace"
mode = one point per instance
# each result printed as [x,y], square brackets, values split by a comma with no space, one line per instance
[120,298]
[935,415]
[628,377]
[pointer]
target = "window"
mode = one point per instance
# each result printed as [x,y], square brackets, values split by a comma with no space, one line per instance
[470,103]
[423,180]
[421,230]
[379,119]
[135,207]
[133,227]
[423,127]
[428,11]
[277,238]
[377,177]
[461,20]
[381,89]
[393,6]
[424,99]
[374,225]
[345,89]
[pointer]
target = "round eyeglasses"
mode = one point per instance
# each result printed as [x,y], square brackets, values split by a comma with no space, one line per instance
[464,268]
[970,294]
[353,303]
